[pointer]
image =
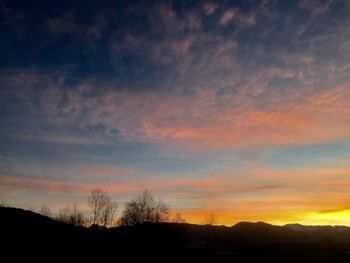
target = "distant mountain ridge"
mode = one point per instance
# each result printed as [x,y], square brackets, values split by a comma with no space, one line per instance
[308,228]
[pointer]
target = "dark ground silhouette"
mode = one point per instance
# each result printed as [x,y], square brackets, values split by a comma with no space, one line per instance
[30,236]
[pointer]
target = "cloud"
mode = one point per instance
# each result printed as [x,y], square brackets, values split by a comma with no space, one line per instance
[84,36]
[337,210]
[314,6]
[100,171]
[209,8]
[253,114]
[247,20]
[228,16]
[307,59]
[14,183]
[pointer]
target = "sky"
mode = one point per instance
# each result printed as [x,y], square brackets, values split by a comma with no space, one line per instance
[237,108]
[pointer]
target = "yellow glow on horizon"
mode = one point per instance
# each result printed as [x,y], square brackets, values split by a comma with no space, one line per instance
[341,217]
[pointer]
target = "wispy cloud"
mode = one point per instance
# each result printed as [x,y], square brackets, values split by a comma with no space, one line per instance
[227,16]
[209,8]
[314,6]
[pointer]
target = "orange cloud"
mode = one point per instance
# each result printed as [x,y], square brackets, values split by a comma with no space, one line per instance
[211,121]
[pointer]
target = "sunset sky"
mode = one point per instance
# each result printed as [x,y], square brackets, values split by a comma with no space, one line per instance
[238,108]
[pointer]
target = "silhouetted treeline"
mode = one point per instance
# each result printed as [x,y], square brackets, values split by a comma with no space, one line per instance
[103,210]
[71,215]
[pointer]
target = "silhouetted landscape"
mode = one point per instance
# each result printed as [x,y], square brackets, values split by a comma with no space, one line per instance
[29,234]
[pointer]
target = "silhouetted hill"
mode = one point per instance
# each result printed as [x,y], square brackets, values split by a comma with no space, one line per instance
[262,233]
[27,235]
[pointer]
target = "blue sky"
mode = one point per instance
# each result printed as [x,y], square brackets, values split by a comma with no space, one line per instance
[214,106]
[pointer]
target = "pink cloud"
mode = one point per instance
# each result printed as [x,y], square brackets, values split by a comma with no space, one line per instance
[15,183]
[212,121]
[228,16]
[215,116]
[209,8]
[302,121]
[172,49]
[307,59]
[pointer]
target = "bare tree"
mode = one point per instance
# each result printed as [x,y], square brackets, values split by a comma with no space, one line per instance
[71,215]
[144,209]
[108,213]
[211,219]
[63,215]
[160,212]
[77,217]
[177,218]
[102,207]
[45,211]
[97,203]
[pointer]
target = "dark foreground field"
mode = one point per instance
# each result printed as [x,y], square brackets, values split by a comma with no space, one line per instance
[29,236]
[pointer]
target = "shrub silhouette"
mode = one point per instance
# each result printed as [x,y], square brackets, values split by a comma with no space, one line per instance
[144,209]
[71,215]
